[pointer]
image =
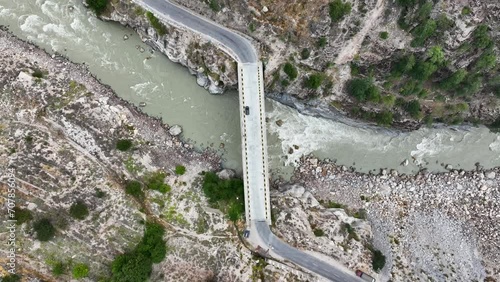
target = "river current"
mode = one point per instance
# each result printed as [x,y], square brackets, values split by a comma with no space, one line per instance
[170,92]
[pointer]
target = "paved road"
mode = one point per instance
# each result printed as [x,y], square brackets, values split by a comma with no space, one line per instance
[233,42]
[253,131]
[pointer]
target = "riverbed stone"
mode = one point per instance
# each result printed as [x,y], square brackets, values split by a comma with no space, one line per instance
[226,173]
[175,130]
[490,175]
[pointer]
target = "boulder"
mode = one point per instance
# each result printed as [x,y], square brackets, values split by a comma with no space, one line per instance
[226,173]
[175,130]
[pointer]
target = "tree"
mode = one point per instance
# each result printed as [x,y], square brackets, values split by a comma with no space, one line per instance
[313,81]
[80,270]
[481,37]
[423,32]
[124,144]
[152,244]
[404,65]
[436,55]
[98,6]
[487,61]
[454,80]
[423,70]
[44,229]
[290,70]
[378,260]
[363,89]
[131,267]
[133,188]
[338,10]
[79,210]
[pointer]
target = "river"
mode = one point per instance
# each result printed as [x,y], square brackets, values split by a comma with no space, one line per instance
[170,92]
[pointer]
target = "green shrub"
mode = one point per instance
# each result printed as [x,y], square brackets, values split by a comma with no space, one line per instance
[444,23]
[378,260]
[321,42]
[318,232]
[454,80]
[214,5]
[251,27]
[156,181]
[44,229]
[423,32]
[384,118]
[180,170]
[11,278]
[314,80]
[481,37]
[413,108]
[436,55]
[466,11]
[384,35]
[423,70]
[291,71]
[58,268]
[38,73]
[407,3]
[363,90]
[80,270]
[338,10]
[22,215]
[98,6]
[285,82]
[225,194]
[99,193]
[487,61]
[305,53]
[424,11]
[134,188]
[123,144]
[388,100]
[470,85]
[79,210]
[137,265]
[403,65]
[160,28]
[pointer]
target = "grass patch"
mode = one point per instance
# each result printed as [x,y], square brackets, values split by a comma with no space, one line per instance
[80,270]
[180,170]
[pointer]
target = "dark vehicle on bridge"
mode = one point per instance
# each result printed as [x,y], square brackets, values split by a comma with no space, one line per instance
[364,276]
[247,110]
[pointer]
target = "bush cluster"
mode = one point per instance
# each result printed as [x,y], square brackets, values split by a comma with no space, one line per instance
[134,188]
[225,194]
[314,80]
[79,210]
[22,215]
[136,265]
[338,10]
[363,90]
[44,229]
[180,170]
[156,181]
[291,71]
[378,260]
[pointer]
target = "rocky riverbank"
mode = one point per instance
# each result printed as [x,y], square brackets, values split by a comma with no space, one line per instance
[430,226]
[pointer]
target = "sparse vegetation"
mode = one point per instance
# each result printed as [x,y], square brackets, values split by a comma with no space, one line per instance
[124,144]
[384,35]
[322,41]
[339,9]
[38,73]
[314,80]
[156,181]
[44,229]
[160,28]
[79,210]
[214,5]
[58,268]
[22,215]
[80,270]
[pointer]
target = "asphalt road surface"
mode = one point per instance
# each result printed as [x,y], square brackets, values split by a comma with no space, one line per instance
[238,45]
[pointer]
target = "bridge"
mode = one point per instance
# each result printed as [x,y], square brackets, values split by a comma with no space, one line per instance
[253,135]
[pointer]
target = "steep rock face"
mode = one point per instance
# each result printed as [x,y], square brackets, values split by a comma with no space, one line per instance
[215,70]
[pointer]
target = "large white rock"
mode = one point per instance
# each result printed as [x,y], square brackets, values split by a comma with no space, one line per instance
[226,173]
[175,130]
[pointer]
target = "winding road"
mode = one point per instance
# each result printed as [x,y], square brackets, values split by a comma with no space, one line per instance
[253,131]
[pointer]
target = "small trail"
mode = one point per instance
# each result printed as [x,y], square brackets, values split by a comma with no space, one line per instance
[352,48]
